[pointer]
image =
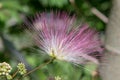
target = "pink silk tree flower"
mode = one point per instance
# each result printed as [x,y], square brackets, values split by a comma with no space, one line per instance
[58,36]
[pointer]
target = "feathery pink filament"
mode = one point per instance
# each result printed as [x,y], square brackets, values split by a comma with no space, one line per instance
[57,35]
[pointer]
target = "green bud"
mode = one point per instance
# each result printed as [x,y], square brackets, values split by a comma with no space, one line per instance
[21,68]
[9,77]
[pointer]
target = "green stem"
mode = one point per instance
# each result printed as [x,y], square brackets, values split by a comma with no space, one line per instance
[40,66]
[14,74]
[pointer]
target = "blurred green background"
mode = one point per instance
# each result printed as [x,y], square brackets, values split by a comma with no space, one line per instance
[16,46]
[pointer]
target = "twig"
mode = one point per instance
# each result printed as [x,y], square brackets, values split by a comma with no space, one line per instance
[14,74]
[99,15]
[95,11]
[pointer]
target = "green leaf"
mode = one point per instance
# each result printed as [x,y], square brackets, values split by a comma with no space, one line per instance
[11,4]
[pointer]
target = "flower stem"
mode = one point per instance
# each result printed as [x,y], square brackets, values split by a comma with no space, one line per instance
[14,74]
[40,66]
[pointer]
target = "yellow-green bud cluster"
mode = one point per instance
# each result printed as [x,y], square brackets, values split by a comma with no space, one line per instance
[58,78]
[5,69]
[21,68]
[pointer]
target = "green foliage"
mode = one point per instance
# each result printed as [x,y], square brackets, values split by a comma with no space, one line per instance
[58,3]
[11,12]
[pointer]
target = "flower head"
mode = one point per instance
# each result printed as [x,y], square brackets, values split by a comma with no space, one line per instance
[5,69]
[58,36]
